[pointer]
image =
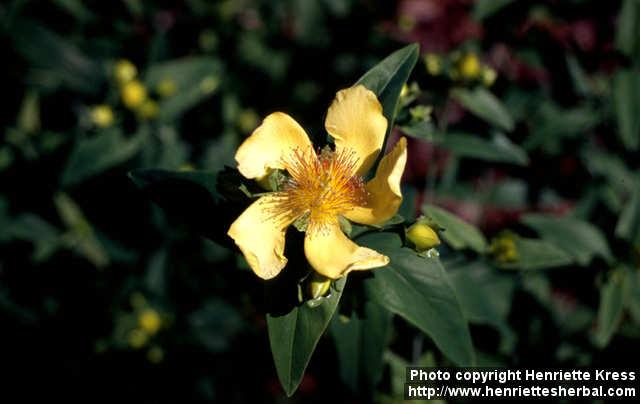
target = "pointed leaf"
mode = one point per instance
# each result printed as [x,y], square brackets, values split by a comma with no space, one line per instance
[537,254]
[578,238]
[93,155]
[456,232]
[626,99]
[418,289]
[294,336]
[612,300]
[387,78]
[485,106]
[360,342]
[499,148]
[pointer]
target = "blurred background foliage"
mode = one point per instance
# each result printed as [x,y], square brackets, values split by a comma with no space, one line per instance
[524,125]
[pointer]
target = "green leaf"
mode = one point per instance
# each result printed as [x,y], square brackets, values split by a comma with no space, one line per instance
[537,254]
[612,300]
[456,232]
[194,78]
[54,61]
[80,235]
[30,227]
[485,106]
[360,343]
[578,238]
[486,8]
[626,100]
[633,301]
[93,155]
[628,28]
[418,289]
[485,296]
[387,78]
[628,226]
[294,336]
[498,149]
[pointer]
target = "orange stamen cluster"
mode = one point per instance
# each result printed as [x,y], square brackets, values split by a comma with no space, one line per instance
[320,186]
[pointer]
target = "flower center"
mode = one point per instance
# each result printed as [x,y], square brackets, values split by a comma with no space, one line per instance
[320,187]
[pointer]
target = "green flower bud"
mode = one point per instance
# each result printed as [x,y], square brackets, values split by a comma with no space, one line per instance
[318,285]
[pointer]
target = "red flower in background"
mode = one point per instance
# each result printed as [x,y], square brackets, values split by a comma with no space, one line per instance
[438,25]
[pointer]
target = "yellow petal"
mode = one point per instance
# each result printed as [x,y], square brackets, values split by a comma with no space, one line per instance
[355,121]
[383,191]
[260,236]
[277,136]
[333,255]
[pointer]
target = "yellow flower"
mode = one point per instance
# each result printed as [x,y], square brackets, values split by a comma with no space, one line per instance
[149,320]
[166,88]
[469,66]
[422,236]
[133,94]
[148,109]
[124,71]
[102,115]
[320,187]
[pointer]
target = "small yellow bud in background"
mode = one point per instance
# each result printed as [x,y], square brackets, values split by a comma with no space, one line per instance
[433,64]
[155,354]
[102,116]
[406,22]
[133,94]
[148,110]
[166,88]
[422,236]
[137,338]
[248,120]
[503,248]
[149,320]
[318,285]
[421,113]
[124,71]
[489,76]
[469,66]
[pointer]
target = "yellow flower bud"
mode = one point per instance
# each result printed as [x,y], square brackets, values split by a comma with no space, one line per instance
[124,71]
[503,248]
[488,76]
[166,88]
[422,236]
[405,90]
[469,66]
[318,285]
[433,64]
[149,320]
[133,94]
[137,338]
[148,110]
[102,116]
